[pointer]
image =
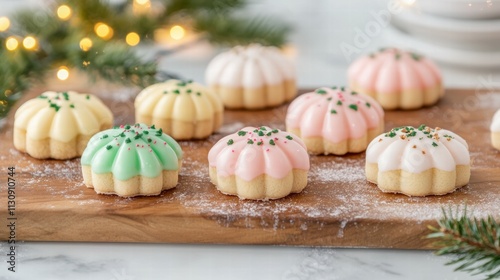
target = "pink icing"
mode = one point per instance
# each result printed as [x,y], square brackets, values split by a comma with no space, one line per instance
[234,155]
[319,114]
[392,71]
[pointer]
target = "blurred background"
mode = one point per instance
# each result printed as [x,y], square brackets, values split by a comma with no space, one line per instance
[323,36]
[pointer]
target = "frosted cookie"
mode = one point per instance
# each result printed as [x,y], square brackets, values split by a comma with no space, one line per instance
[131,161]
[259,163]
[397,79]
[184,110]
[59,124]
[335,120]
[495,131]
[418,161]
[252,77]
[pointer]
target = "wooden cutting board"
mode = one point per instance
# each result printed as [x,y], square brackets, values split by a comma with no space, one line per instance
[338,207]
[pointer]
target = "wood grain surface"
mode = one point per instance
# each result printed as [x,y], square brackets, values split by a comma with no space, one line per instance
[338,207]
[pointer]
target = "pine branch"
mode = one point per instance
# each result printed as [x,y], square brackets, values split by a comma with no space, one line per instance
[475,243]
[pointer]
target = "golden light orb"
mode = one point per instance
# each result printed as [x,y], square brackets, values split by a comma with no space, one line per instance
[11,43]
[30,43]
[4,23]
[86,44]
[64,12]
[103,30]
[177,32]
[132,39]
[63,73]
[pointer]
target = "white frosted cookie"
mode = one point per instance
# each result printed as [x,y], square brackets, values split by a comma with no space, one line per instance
[252,77]
[59,124]
[418,161]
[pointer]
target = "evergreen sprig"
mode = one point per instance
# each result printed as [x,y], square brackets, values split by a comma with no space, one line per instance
[113,59]
[475,243]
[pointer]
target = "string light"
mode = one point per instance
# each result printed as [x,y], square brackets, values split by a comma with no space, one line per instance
[177,32]
[64,12]
[85,44]
[4,23]
[30,43]
[11,43]
[103,30]
[132,39]
[63,73]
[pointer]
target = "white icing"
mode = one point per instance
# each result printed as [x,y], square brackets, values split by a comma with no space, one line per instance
[418,153]
[495,124]
[250,67]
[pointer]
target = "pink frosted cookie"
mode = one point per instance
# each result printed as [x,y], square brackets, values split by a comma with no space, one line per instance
[397,79]
[259,163]
[418,161]
[335,121]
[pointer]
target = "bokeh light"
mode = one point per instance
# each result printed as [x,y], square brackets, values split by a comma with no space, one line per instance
[103,30]
[86,44]
[63,73]
[177,32]
[132,39]
[30,43]
[4,23]
[11,43]
[64,12]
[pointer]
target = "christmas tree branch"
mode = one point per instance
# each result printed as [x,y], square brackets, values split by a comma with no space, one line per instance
[475,243]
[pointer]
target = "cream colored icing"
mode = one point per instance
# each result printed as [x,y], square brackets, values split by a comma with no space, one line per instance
[495,124]
[250,67]
[252,152]
[391,71]
[128,151]
[175,99]
[418,149]
[335,114]
[62,116]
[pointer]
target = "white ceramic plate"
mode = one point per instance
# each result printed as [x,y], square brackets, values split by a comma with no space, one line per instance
[461,9]
[477,35]
[446,55]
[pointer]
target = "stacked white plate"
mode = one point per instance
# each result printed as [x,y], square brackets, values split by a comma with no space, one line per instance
[457,32]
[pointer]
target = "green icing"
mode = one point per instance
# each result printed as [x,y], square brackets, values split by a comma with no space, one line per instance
[130,154]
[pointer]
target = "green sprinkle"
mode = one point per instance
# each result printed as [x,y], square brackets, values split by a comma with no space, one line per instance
[269,134]
[149,140]
[145,132]
[138,136]
[260,143]
[230,142]
[250,141]
[321,91]
[198,93]
[122,134]
[255,130]
[333,112]
[261,133]
[127,126]
[42,97]
[72,105]
[181,84]
[329,99]
[354,107]
[115,127]
[353,93]
[434,144]
[415,56]
[368,104]
[109,147]
[105,136]
[152,127]
[334,87]
[55,106]
[413,133]
[65,95]
[165,92]
[271,142]
[189,91]
[339,103]
[263,128]
[422,127]
[189,81]
[128,140]
[342,88]
[87,97]
[392,134]
[242,133]
[176,91]
[289,137]
[275,131]
[398,56]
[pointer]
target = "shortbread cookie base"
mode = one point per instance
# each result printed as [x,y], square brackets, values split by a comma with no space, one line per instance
[407,99]
[183,130]
[51,148]
[258,97]
[263,187]
[136,186]
[495,140]
[320,145]
[429,182]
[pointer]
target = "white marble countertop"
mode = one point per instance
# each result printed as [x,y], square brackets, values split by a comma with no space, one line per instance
[319,31]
